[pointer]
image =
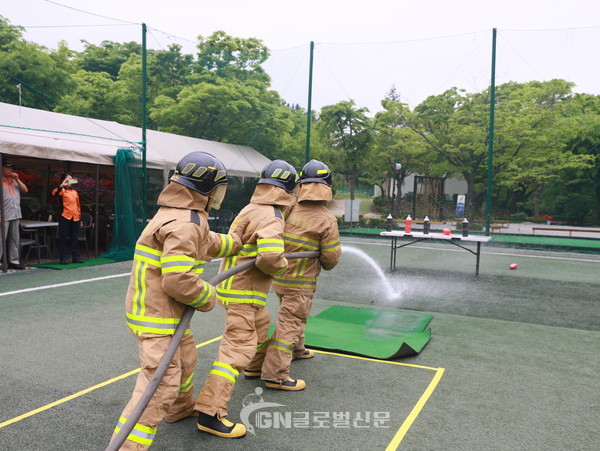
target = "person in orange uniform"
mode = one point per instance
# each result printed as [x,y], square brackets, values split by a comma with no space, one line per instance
[244,296]
[310,226]
[166,277]
[69,219]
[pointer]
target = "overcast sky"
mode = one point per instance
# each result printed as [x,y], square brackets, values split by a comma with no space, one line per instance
[422,47]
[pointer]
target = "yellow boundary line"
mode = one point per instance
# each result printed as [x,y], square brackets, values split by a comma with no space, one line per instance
[393,445]
[414,413]
[83,392]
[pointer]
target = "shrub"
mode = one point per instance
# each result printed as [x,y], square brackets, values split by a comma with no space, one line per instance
[518,217]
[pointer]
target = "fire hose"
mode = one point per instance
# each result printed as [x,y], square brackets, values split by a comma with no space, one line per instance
[184,322]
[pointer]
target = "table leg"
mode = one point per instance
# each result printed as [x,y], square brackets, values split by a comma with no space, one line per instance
[477,259]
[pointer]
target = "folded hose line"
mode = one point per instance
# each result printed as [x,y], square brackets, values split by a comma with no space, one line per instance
[135,415]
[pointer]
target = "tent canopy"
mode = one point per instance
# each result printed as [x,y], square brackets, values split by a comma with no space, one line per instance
[54,136]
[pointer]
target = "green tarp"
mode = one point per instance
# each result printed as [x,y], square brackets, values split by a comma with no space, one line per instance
[369,332]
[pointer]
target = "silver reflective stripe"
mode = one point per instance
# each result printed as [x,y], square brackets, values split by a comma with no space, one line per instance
[177,263]
[224,369]
[140,253]
[295,282]
[303,243]
[142,434]
[331,246]
[208,291]
[257,297]
[156,325]
[281,344]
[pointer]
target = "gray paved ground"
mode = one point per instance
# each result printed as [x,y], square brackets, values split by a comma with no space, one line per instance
[519,351]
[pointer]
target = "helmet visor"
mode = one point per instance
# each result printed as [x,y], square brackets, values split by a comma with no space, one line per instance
[216,197]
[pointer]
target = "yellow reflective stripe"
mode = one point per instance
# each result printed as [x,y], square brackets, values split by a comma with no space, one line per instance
[331,246]
[248,250]
[300,267]
[152,325]
[144,435]
[229,263]
[207,292]
[226,245]
[187,385]
[282,345]
[147,255]
[139,296]
[270,245]
[176,263]
[225,370]
[296,283]
[301,241]
[241,296]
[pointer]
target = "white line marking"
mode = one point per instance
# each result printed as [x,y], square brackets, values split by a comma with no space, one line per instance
[482,252]
[75,282]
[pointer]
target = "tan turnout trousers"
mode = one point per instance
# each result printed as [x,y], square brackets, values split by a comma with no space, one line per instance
[288,339]
[246,328]
[174,393]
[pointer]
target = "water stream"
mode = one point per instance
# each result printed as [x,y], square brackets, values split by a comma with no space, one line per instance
[389,291]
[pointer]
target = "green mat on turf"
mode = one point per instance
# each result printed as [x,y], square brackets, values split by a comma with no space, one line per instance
[369,332]
[90,262]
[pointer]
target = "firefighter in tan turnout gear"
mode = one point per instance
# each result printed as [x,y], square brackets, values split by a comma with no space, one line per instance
[166,277]
[244,295]
[310,226]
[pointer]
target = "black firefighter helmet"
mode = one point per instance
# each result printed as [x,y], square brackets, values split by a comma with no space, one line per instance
[201,172]
[315,172]
[280,174]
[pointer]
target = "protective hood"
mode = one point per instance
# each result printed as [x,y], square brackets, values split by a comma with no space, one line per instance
[271,195]
[179,196]
[314,191]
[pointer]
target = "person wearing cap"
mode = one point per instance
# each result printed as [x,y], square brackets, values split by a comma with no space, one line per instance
[69,219]
[12,187]
[310,226]
[166,278]
[244,296]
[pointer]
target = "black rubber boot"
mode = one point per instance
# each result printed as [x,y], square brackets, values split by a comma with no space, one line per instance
[220,427]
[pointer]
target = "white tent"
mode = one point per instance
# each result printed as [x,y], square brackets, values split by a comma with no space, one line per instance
[54,136]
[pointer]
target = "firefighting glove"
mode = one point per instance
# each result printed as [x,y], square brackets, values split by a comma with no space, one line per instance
[238,234]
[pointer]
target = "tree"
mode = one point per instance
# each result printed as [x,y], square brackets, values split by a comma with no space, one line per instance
[347,135]
[226,56]
[228,110]
[107,57]
[396,143]
[31,68]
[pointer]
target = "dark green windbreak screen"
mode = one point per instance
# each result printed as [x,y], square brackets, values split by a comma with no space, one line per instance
[130,214]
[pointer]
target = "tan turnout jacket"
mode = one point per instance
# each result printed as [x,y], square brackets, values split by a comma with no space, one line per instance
[263,241]
[310,226]
[169,260]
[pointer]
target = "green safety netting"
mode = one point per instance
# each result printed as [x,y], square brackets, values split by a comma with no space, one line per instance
[129,199]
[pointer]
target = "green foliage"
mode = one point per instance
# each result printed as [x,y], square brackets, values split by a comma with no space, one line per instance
[346,133]
[517,218]
[546,146]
